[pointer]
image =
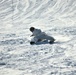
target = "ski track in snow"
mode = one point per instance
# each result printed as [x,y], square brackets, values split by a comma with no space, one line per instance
[56,18]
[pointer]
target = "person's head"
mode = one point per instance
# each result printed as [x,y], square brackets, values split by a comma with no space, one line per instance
[32,29]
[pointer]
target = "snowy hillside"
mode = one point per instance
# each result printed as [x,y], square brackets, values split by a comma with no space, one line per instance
[55,17]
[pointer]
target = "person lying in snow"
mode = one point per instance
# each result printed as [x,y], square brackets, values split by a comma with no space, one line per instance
[39,36]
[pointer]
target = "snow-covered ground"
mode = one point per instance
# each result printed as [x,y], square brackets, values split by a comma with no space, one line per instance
[55,17]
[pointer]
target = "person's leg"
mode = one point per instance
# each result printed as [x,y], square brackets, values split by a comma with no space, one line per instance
[49,38]
[39,40]
[52,40]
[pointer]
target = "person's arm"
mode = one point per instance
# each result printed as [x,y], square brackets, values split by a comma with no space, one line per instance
[32,35]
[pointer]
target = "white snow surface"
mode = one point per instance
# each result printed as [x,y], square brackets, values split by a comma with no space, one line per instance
[55,17]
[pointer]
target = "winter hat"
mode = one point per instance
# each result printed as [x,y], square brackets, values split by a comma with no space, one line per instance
[32,29]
